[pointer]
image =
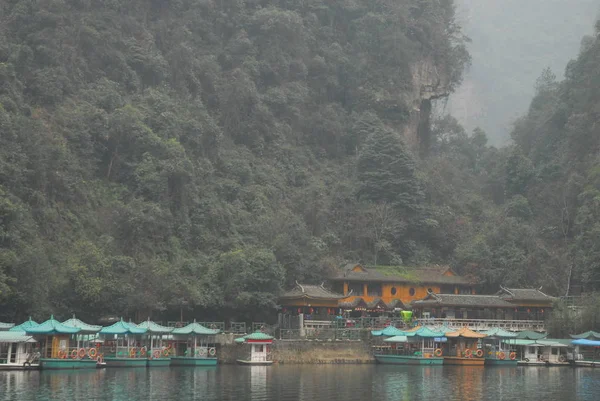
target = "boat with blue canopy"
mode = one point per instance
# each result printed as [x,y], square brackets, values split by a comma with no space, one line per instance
[587,351]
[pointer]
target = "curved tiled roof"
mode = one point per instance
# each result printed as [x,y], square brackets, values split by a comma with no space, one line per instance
[466,333]
[85,328]
[400,274]
[524,294]
[25,325]
[490,301]
[312,291]
[154,327]
[122,327]
[256,336]
[499,332]
[6,326]
[194,328]
[589,335]
[52,326]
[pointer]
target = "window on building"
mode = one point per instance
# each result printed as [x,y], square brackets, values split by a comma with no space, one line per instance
[554,351]
[411,292]
[393,291]
[464,291]
[374,290]
[356,288]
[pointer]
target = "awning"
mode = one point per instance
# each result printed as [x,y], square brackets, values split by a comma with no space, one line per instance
[396,339]
[15,337]
[590,343]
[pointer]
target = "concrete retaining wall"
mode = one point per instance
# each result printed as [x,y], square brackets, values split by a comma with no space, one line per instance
[305,352]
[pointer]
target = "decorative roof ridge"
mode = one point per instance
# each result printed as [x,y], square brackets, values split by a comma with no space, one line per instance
[507,290]
[301,287]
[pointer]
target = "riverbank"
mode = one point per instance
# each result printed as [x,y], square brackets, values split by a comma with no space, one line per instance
[306,352]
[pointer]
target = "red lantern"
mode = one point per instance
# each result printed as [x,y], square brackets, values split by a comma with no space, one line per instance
[299,310]
[311,310]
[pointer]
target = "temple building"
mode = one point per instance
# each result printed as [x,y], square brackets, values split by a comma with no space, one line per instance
[507,304]
[397,284]
[311,300]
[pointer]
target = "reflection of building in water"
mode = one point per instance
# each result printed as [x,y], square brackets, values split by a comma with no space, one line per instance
[258,382]
[468,383]
[12,382]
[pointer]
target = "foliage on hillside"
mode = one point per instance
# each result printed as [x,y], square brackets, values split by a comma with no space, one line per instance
[158,155]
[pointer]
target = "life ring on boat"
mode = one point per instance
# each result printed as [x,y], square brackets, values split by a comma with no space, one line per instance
[81,353]
[562,358]
[212,351]
[99,359]
[143,351]
[165,352]
[92,352]
[62,354]
[468,353]
[132,352]
[438,352]
[74,354]
[202,351]
[156,354]
[479,353]
[512,356]
[502,355]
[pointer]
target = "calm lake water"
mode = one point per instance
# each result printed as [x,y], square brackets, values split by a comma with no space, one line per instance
[306,383]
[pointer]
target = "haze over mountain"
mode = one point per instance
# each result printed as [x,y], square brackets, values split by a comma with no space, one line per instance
[512,42]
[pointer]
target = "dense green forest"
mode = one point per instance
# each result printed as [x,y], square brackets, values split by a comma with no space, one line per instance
[159,156]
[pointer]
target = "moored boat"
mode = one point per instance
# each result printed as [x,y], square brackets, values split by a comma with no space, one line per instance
[60,348]
[157,344]
[498,348]
[414,347]
[464,348]
[123,346]
[194,345]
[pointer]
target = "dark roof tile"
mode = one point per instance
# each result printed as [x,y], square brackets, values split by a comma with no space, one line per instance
[311,291]
[493,301]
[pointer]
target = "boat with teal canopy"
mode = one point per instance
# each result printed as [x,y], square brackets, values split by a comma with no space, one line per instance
[157,343]
[258,346]
[588,335]
[497,347]
[194,345]
[123,345]
[422,346]
[25,325]
[88,338]
[389,331]
[60,348]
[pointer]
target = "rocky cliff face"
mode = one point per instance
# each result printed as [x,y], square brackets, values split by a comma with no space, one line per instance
[429,82]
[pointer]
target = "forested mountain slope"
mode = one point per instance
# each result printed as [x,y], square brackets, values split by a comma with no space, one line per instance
[192,153]
[188,154]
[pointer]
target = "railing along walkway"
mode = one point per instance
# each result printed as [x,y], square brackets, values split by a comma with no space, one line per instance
[484,324]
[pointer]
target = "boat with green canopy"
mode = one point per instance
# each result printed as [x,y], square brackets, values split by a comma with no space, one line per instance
[156,342]
[6,326]
[497,347]
[123,345]
[25,325]
[588,335]
[87,338]
[414,347]
[259,350]
[194,345]
[59,346]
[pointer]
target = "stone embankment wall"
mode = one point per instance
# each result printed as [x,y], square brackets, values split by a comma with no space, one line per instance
[305,352]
